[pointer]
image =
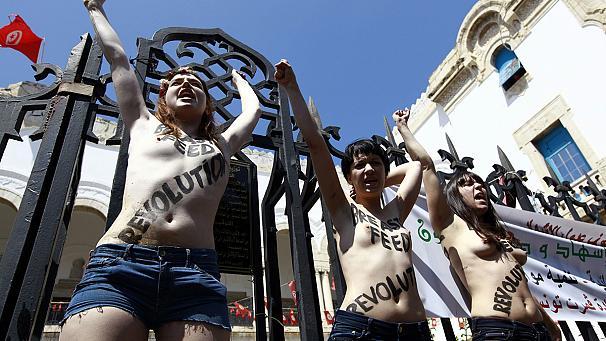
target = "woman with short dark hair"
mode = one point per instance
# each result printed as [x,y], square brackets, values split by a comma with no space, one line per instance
[382,301]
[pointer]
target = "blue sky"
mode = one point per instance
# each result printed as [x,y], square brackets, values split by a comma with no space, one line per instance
[359,60]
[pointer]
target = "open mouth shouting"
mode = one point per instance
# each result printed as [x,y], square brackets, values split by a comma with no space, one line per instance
[186,94]
[370,183]
[480,196]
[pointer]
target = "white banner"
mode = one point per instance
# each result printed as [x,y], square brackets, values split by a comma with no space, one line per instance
[566,276]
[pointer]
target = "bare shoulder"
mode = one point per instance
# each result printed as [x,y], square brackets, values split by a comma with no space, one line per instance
[455,229]
[223,145]
[145,124]
[343,218]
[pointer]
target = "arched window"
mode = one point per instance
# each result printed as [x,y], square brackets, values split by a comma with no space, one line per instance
[509,67]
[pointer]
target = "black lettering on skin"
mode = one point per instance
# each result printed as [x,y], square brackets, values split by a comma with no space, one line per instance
[403,284]
[384,226]
[354,213]
[395,242]
[394,223]
[129,236]
[190,183]
[518,273]
[149,212]
[384,291]
[508,286]
[196,173]
[139,223]
[372,220]
[385,240]
[502,308]
[362,304]
[193,150]
[180,145]
[502,299]
[163,199]
[374,232]
[514,282]
[501,294]
[387,295]
[362,216]
[156,205]
[406,242]
[206,149]
[217,166]
[174,198]
[206,168]
[395,292]
[502,302]
[142,218]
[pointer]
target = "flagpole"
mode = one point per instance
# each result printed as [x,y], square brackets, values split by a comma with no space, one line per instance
[41,59]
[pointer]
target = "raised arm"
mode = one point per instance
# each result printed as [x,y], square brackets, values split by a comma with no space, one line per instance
[241,129]
[128,93]
[408,176]
[440,213]
[330,187]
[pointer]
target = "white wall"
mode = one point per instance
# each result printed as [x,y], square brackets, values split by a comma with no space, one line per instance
[562,58]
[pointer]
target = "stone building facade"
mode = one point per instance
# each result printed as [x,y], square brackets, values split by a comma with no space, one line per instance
[526,75]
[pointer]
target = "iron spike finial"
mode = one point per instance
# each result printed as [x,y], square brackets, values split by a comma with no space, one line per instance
[451,147]
[505,160]
[313,111]
[591,184]
[389,133]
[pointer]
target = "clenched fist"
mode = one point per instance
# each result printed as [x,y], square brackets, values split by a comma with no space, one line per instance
[284,75]
[93,4]
[401,117]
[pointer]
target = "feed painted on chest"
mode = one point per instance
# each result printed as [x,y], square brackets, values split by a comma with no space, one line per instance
[185,145]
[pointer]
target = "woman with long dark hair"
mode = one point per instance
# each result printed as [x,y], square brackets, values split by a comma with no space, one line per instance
[485,256]
[382,301]
[156,267]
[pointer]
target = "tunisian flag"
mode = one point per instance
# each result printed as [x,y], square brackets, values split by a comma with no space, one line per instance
[17,35]
[292,285]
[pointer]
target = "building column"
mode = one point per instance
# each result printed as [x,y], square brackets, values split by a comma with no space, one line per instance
[320,295]
[327,293]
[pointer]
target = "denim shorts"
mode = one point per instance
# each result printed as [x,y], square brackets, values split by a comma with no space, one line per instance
[156,284]
[486,328]
[353,326]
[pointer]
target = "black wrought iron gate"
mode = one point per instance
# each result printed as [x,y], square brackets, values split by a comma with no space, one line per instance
[29,266]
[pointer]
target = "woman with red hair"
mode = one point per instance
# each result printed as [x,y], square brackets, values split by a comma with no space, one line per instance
[156,267]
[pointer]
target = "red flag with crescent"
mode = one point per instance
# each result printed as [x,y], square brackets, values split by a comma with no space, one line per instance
[292,285]
[17,35]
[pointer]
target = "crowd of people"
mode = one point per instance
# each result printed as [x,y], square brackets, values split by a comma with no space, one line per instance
[156,267]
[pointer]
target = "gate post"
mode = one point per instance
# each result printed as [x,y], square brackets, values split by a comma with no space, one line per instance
[30,264]
[310,324]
